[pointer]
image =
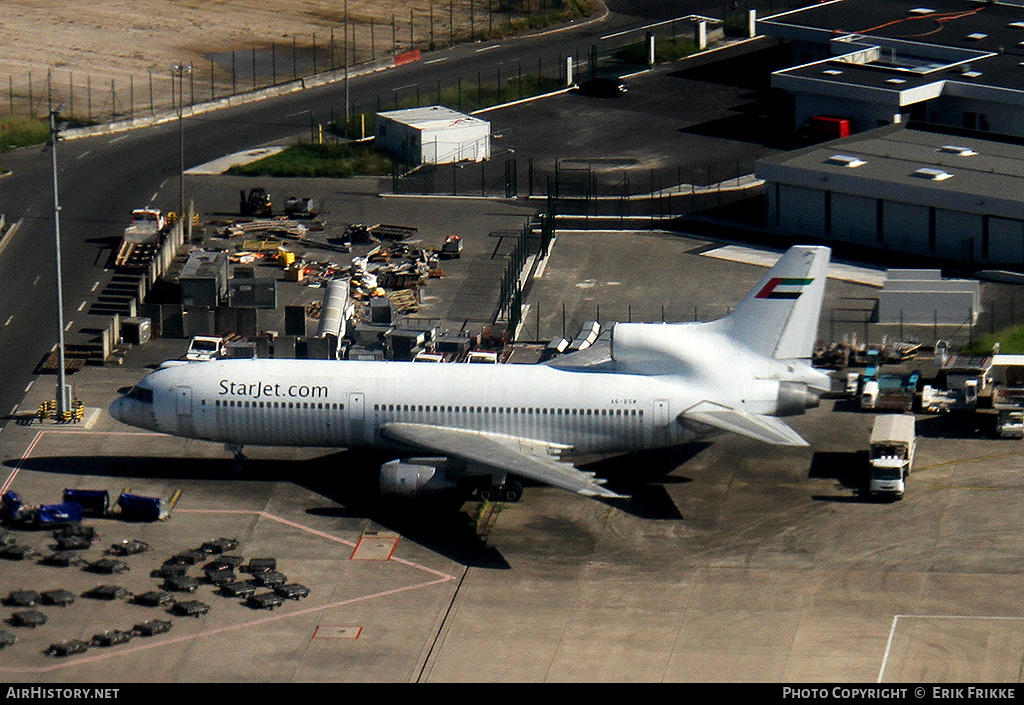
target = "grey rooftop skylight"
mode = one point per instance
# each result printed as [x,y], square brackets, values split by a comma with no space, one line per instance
[845,160]
[932,174]
[960,151]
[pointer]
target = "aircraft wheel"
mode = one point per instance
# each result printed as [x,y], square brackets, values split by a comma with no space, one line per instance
[488,494]
[512,492]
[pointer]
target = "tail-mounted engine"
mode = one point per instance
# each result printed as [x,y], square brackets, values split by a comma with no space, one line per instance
[795,398]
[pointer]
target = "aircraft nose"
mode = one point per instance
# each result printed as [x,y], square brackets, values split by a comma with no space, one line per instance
[117,409]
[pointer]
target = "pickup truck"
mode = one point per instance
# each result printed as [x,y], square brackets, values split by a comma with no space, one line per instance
[205,347]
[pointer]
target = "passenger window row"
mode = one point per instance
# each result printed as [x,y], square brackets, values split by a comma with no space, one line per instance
[514,410]
[277,404]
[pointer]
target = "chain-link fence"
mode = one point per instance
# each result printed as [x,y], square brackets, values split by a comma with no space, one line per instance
[357,42]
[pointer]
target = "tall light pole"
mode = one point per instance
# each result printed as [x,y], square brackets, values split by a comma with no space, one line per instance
[348,104]
[181,70]
[63,390]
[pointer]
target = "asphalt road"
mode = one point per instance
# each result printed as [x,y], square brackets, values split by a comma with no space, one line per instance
[101,178]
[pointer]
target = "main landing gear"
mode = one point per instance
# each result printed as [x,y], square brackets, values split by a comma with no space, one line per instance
[509,491]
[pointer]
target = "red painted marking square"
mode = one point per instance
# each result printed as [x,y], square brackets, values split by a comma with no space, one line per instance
[375,547]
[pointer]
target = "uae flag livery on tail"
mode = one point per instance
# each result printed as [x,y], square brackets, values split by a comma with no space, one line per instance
[783,288]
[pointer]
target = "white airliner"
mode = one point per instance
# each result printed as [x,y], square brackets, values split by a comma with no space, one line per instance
[656,385]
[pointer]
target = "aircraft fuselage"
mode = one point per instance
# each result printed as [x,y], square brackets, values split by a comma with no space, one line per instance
[345,403]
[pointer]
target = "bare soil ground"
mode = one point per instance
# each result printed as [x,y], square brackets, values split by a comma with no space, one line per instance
[108,57]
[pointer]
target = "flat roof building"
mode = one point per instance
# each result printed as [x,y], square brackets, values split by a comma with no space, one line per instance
[957,63]
[905,190]
[433,135]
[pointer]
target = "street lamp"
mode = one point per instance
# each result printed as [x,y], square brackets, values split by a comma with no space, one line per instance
[181,70]
[63,390]
[348,104]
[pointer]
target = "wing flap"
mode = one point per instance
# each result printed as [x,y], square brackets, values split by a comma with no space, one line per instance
[757,426]
[519,456]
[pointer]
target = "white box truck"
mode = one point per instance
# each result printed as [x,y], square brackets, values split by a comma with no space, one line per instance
[891,455]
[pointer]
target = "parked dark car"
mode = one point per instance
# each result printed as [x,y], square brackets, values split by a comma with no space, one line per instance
[603,87]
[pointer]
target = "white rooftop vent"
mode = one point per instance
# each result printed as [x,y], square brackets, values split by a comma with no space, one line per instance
[960,151]
[976,36]
[845,160]
[896,81]
[932,174]
[920,11]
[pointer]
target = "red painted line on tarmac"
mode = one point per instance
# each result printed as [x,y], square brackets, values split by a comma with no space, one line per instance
[17,467]
[74,660]
[39,434]
[265,515]
[158,642]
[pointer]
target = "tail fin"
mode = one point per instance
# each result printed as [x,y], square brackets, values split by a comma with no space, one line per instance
[779,317]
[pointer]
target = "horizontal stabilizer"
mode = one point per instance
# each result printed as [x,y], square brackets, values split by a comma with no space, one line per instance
[762,428]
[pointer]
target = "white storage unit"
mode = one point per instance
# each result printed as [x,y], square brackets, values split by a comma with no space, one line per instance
[433,135]
[923,297]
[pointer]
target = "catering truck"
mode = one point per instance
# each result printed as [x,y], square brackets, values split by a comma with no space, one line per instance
[891,455]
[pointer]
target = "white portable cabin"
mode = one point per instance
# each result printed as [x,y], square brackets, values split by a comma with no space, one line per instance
[433,135]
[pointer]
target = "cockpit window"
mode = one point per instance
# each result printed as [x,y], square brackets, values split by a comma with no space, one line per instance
[141,394]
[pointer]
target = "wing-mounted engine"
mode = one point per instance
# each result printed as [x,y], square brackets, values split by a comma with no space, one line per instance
[410,478]
[419,477]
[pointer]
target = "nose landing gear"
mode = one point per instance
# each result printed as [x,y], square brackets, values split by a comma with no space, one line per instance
[239,455]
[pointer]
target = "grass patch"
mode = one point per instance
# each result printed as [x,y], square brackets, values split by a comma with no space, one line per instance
[22,131]
[1011,342]
[330,160]
[467,98]
[665,50]
[541,15]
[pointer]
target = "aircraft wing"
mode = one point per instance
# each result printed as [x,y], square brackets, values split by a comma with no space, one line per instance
[519,456]
[768,429]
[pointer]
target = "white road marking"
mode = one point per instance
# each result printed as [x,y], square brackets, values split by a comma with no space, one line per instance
[81,306]
[95,286]
[29,386]
[37,280]
[493,46]
[68,326]
[11,318]
[83,154]
[434,61]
